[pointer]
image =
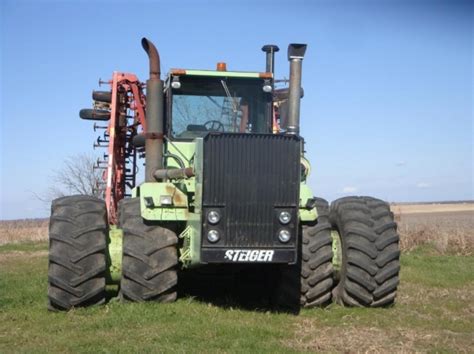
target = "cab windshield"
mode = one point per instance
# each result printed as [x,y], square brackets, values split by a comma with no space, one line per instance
[217,104]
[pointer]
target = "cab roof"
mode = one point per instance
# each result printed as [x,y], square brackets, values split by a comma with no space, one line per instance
[217,73]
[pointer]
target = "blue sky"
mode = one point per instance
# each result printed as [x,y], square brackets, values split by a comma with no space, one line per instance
[388,106]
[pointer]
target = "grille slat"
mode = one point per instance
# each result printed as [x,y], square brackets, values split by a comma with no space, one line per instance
[249,175]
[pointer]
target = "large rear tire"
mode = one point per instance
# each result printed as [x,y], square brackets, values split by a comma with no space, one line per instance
[316,260]
[77,245]
[150,259]
[370,252]
[309,283]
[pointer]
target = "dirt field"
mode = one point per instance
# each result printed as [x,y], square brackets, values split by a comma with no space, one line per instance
[449,228]
[28,230]
[432,208]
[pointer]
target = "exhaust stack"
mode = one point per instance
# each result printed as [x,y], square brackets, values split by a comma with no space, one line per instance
[154,114]
[295,57]
[270,49]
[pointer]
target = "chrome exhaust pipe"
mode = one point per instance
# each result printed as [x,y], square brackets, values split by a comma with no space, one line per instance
[295,57]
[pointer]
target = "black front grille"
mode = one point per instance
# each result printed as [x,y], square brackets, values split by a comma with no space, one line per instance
[249,178]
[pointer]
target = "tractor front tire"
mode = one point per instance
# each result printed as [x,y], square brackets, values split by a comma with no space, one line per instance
[370,252]
[77,246]
[150,259]
[309,283]
[316,259]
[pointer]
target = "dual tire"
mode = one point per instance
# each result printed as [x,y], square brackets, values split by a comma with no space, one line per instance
[77,254]
[368,251]
[369,273]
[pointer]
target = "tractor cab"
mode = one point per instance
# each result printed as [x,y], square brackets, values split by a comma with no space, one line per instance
[203,101]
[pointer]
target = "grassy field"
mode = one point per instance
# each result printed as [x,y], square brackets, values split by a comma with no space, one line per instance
[434,310]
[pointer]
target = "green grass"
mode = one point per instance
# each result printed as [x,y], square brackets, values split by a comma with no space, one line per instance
[24,247]
[433,313]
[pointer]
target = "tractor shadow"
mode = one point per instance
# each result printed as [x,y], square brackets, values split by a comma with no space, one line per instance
[244,287]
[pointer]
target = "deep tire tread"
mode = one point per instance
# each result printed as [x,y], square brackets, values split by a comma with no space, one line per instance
[77,245]
[309,283]
[316,268]
[370,252]
[150,259]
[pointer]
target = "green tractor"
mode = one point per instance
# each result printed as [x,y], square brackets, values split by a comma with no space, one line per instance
[225,185]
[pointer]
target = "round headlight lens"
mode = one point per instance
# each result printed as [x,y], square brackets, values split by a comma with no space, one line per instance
[284,217]
[284,236]
[213,217]
[213,236]
[267,88]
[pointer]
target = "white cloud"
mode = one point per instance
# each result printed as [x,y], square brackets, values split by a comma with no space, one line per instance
[401,163]
[423,185]
[349,189]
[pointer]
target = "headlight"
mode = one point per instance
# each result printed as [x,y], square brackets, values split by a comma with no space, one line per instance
[175,83]
[284,217]
[267,86]
[213,217]
[166,200]
[213,236]
[284,236]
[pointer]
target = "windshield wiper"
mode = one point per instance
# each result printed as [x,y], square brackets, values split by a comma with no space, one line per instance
[232,99]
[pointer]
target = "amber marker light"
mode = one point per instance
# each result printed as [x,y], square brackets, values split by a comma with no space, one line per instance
[178,71]
[221,66]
